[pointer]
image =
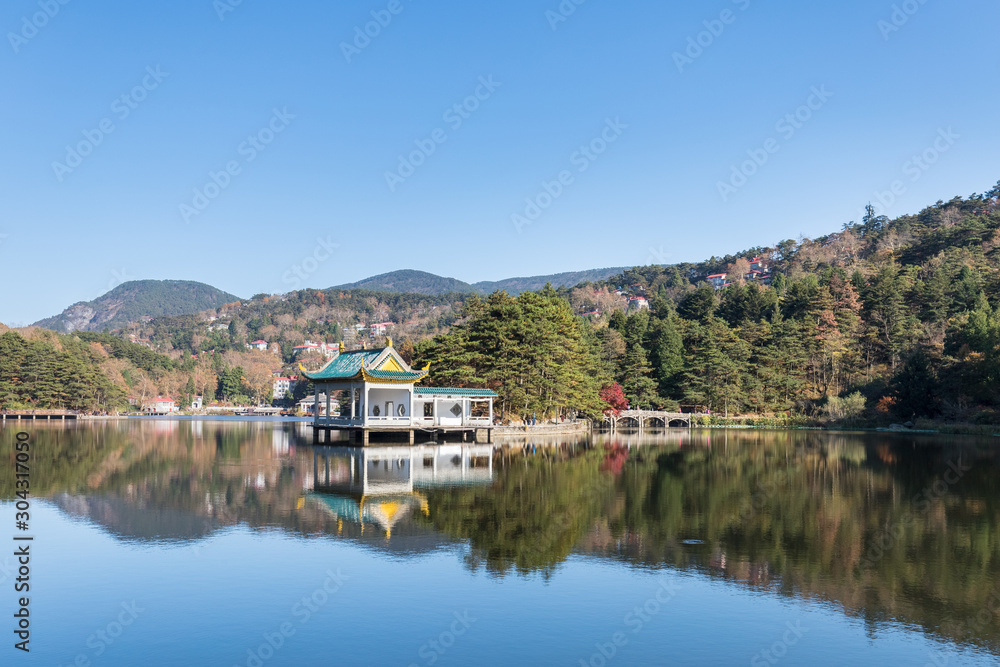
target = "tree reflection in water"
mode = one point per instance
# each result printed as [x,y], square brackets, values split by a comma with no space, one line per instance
[868,522]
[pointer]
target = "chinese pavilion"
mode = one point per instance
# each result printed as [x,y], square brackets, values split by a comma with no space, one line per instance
[378,393]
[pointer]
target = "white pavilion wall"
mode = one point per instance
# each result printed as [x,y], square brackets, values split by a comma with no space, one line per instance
[379,396]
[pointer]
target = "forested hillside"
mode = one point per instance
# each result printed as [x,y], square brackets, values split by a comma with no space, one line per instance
[903,312]
[882,320]
[208,353]
[530,349]
[289,320]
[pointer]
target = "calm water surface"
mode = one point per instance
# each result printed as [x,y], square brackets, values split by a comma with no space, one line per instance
[238,543]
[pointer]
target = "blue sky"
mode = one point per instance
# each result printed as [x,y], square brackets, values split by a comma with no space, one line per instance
[582,120]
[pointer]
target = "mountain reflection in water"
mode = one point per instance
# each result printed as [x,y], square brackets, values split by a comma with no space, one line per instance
[887,527]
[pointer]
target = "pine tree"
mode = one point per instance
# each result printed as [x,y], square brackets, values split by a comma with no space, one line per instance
[667,354]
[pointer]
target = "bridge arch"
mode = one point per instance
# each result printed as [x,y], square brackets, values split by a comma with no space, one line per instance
[628,422]
[642,419]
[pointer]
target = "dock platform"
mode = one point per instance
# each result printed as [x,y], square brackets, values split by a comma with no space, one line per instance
[406,435]
[37,415]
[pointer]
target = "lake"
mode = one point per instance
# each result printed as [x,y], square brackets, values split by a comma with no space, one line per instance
[171,542]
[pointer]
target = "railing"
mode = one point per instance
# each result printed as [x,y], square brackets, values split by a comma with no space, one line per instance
[339,421]
[388,421]
[467,421]
[417,422]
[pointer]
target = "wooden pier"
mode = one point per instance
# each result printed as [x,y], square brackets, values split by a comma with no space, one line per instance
[363,436]
[46,415]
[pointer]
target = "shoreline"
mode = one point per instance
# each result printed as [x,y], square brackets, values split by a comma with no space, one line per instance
[922,427]
[569,428]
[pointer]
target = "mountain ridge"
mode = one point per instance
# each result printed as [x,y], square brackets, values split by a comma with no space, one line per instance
[411,281]
[137,300]
[134,300]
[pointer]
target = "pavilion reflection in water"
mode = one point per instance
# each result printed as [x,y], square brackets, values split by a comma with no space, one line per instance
[380,486]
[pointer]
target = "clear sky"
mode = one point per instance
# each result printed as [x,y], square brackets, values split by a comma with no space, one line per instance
[309,115]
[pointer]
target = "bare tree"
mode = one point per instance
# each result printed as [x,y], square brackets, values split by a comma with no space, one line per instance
[893,240]
[738,270]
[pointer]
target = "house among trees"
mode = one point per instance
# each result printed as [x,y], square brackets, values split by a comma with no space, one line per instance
[325,349]
[160,405]
[376,392]
[380,328]
[717,280]
[258,345]
[637,303]
[757,269]
[760,271]
[307,405]
[282,387]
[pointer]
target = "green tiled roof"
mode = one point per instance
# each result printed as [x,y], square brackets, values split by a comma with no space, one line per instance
[396,375]
[346,365]
[444,391]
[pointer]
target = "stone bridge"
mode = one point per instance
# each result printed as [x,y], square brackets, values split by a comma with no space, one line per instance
[640,419]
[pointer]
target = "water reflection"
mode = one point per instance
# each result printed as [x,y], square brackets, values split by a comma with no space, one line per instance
[381,485]
[887,527]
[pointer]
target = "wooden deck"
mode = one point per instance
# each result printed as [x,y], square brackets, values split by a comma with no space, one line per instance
[47,415]
[408,434]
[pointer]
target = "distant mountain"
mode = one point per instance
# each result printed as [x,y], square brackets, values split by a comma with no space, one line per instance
[135,300]
[144,299]
[569,279]
[409,281]
[420,282]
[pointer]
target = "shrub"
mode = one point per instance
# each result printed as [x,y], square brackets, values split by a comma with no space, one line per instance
[849,407]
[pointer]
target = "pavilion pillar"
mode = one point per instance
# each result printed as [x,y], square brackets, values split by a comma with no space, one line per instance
[364,406]
[328,392]
[315,405]
[350,397]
